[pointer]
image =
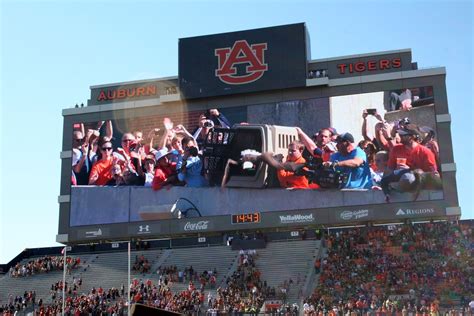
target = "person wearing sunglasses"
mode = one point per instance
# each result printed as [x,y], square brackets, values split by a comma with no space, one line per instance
[101,172]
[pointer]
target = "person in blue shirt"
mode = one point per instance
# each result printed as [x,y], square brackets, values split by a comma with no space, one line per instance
[352,161]
[189,165]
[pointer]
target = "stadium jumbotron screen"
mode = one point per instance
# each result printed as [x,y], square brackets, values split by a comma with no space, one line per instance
[147,161]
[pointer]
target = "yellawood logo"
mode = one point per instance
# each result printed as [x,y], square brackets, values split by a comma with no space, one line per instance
[297,218]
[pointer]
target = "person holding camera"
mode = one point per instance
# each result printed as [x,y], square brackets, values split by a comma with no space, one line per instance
[212,118]
[352,161]
[189,165]
[218,118]
[204,127]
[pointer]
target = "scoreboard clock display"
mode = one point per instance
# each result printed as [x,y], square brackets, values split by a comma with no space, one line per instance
[246,218]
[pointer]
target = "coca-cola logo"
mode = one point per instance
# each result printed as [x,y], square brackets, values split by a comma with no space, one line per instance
[201,225]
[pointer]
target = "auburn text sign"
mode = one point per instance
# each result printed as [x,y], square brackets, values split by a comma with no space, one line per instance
[245,61]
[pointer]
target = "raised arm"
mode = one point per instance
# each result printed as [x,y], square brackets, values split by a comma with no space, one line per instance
[180,129]
[364,125]
[109,130]
[306,140]
[83,131]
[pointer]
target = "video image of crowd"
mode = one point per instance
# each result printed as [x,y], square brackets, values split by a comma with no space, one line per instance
[384,141]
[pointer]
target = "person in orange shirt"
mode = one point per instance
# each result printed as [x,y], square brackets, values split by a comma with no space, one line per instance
[410,153]
[288,179]
[413,165]
[101,170]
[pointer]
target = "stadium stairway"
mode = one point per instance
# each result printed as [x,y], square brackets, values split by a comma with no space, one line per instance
[281,261]
[221,258]
[230,272]
[164,255]
[312,279]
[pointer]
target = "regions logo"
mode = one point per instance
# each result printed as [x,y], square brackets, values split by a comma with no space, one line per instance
[421,211]
[297,218]
[201,225]
[94,233]
[348,215]
[241,53]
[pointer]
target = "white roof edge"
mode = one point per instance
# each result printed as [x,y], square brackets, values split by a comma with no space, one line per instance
[405,50]
[424,72]
[132,82]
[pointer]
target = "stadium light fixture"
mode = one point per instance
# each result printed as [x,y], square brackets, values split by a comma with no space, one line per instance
[177,213]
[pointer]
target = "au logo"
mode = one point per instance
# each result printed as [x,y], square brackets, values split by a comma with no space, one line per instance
[241,53]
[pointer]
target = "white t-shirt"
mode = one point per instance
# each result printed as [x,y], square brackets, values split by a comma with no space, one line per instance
[471,305]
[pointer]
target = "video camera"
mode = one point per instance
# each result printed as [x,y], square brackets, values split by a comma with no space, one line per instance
[315,172]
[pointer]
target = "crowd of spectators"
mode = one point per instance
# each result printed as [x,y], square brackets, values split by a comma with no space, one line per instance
[398,155]
[43,265]
[168,155]
[70,289]
[99,301]
[173,274]
[95,302]
[407,268]
[18,303]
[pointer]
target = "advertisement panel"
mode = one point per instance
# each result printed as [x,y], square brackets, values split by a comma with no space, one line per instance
[351,66]
[373,156]
[328,217]
[245,61]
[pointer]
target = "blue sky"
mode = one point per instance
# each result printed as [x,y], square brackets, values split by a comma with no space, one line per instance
[53,51]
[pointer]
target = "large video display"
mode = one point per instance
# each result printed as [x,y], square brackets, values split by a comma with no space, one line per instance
[342,152]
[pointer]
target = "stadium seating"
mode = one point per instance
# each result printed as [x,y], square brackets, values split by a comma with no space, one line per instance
[422,267]
[444,267]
